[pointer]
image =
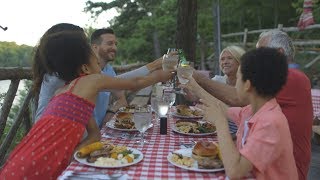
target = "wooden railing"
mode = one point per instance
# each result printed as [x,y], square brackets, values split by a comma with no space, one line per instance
[27,108]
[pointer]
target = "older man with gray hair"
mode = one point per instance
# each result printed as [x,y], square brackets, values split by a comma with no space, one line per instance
[294,99]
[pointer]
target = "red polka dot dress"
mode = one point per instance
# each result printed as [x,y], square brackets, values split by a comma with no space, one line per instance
[46,151]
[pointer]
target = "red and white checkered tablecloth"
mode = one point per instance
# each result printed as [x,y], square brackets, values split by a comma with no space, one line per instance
[315,93]
[154,164]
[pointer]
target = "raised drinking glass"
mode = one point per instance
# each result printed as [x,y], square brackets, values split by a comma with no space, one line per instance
[184,71]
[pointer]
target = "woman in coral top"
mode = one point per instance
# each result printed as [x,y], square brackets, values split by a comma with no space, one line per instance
[264,146]
[46,151]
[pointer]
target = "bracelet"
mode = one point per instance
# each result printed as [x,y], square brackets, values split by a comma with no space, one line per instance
[109,111]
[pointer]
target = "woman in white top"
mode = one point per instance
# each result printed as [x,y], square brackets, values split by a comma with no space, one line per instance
[229,62]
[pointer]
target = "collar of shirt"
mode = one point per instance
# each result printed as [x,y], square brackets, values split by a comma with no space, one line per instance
[272,103]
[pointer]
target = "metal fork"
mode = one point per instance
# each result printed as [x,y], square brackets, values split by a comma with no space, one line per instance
[94,175]
[187,145]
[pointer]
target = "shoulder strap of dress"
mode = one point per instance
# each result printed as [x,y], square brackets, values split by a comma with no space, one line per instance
[73,84]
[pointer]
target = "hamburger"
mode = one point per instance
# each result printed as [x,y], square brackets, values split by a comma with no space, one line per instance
[124,120]
[207,154]
[124,116]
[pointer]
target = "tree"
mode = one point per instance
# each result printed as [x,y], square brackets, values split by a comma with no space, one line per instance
[13,55]
[187,28]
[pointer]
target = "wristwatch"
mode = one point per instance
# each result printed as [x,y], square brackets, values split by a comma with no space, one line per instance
[109,111]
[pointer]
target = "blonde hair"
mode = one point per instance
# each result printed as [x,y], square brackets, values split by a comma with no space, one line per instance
[235,51]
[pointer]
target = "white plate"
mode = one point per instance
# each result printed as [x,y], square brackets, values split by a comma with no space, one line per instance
[174,128]
[188,153]
[135,161]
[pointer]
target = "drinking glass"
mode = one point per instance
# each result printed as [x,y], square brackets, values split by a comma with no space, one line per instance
[169,96]
[171,50]
[170,62]
[153,102]
[162,106]
[142,121]
[186,70]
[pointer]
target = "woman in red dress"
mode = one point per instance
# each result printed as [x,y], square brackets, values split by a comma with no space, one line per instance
[47,149]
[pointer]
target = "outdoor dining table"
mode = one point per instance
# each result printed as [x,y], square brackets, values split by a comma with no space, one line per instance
[154,164]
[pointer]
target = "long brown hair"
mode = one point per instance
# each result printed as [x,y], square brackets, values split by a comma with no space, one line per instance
[39,68]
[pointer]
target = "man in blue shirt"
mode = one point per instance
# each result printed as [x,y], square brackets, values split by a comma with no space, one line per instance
[104,44]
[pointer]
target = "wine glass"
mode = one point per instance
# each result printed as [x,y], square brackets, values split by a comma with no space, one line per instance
[142,121]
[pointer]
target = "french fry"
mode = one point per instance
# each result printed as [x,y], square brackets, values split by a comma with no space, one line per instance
[86,150]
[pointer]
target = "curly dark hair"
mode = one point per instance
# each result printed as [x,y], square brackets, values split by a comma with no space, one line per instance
[266,68]
[95,36]
[38,68]
[64,53]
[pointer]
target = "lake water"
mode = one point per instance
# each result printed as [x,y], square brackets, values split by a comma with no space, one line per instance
[4,86]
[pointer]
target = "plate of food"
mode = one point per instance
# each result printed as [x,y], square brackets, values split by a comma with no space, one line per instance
[188,112]
[203,157]
[133,108]
[106,155]
[123,121]
[193,128]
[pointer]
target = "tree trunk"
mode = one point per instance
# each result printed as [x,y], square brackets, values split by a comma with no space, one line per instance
[187,28]
[186,34]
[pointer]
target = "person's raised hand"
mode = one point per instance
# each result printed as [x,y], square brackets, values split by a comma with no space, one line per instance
[162,76]
[214,110]
[192,86]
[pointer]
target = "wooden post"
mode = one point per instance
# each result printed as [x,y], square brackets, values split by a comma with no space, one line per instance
[217,36]
[7,103]
[245,36]
[13,130]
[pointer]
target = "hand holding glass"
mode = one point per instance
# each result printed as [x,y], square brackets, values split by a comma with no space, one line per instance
[170,62]
[184,70]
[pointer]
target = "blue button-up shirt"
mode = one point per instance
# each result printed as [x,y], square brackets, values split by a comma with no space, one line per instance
[102,101]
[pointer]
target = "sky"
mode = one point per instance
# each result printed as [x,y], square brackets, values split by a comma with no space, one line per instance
[27,20]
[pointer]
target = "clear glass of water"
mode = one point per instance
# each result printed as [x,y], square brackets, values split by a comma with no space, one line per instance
[170,62]
[142,121]
[162,106]
[153,102]
[185,70]
[169,95]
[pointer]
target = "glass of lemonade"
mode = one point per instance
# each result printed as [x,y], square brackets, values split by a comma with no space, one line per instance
[142,121]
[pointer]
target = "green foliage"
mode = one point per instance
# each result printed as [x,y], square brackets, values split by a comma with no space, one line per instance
[136,25]
[139,20]
[13,55]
